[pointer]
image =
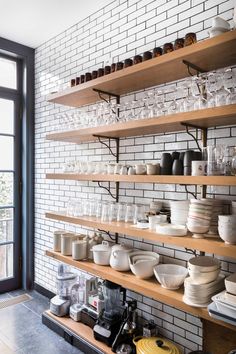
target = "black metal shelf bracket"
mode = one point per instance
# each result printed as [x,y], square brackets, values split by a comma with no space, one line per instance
[108,234]
[188,192]
[189,250]
[108,189]
[194,67]
[195,138]
[110,95]
[101,139]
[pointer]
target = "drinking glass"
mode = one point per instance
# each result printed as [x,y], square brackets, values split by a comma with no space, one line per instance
[121,212]
[112,211]
[129,213]
[139,212]
[105,212]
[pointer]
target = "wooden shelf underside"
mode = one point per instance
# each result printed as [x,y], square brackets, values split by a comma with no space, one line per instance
[81,330]
[150,288]
[205,118]
[208,55]
[208,245]
[159,179]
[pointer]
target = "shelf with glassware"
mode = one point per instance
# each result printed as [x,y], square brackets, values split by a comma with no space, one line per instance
[166,68]
[159,179]
[209,245]
[150,288]
[203,118]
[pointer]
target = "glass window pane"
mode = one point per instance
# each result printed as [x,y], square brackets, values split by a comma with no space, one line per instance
[7,73]
[6,116]
[6,188]
[6,153]
[6,261]
[6,225]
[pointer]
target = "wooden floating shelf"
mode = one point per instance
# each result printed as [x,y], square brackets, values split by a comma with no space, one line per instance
[204,118]
[81,330]
[150,288]
[159,179]
[208,55]
[208,245]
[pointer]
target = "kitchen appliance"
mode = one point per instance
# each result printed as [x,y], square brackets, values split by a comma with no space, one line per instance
[155,345]
[60,304]
[111,317]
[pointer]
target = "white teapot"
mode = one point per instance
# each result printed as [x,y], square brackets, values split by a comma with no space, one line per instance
[119,259]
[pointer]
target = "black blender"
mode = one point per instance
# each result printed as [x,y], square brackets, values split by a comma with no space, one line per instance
[111,318]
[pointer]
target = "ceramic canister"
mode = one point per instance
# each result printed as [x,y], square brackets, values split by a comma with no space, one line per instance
[79,249]
[66,243]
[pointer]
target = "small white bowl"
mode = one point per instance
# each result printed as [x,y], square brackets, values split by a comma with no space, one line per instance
[143,269]
[230,284]
[228,235]
[203,264]
[198,228]
[227,218]
[170,276]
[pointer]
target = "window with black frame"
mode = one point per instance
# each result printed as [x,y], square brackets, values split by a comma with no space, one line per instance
[10,173]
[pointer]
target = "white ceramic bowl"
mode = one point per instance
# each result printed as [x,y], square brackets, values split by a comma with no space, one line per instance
[170,276]
[228,235]
[227,219]
[230,284]
[143,269]
[203,277]
[203,264]
[198,228]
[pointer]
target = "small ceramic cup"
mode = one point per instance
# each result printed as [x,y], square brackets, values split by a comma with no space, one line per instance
[79,250]
[199,168]
[153,168]
[140,169]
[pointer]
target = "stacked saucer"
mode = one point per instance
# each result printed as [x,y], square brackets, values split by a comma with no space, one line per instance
[179,211]
[199,217]
[217,209]
[204,281]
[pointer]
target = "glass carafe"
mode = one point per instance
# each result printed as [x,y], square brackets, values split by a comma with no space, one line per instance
[112,302]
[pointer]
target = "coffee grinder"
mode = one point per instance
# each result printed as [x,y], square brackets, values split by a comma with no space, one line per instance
[112,316]
[60,304]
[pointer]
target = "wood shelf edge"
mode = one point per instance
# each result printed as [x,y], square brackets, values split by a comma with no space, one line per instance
[159,179]
[208,245]
[149,288]
[81,330]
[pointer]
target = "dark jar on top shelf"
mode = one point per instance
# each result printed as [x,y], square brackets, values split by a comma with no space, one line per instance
[168,47]
[157,52]
[113,67]
[128,62]
[94,74]
[100,72]
[72,82]
[138,59]
[179,43]
[82,78]
[88,77]
[190,38]
[77,80]
[147,55]
[119,65]
[107,70]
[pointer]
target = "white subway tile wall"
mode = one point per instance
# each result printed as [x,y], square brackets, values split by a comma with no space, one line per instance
[118,31]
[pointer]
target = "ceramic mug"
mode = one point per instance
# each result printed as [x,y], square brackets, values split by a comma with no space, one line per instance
[79,250]
[199,168]
[140,169]
[153,169]
[57,240]
[131,171]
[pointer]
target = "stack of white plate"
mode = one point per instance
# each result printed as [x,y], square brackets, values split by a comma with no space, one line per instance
[200,295]
[233,207]
[179,211]
[204,281]
[217,209]
[199,217]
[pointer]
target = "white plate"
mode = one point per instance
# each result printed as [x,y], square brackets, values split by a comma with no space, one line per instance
[186,301]
[173,230]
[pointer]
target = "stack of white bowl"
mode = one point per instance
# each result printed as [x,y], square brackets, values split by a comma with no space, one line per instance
[204,280]
[179,211]
[227,228]
[199,217]
[233,207]
[217,209]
